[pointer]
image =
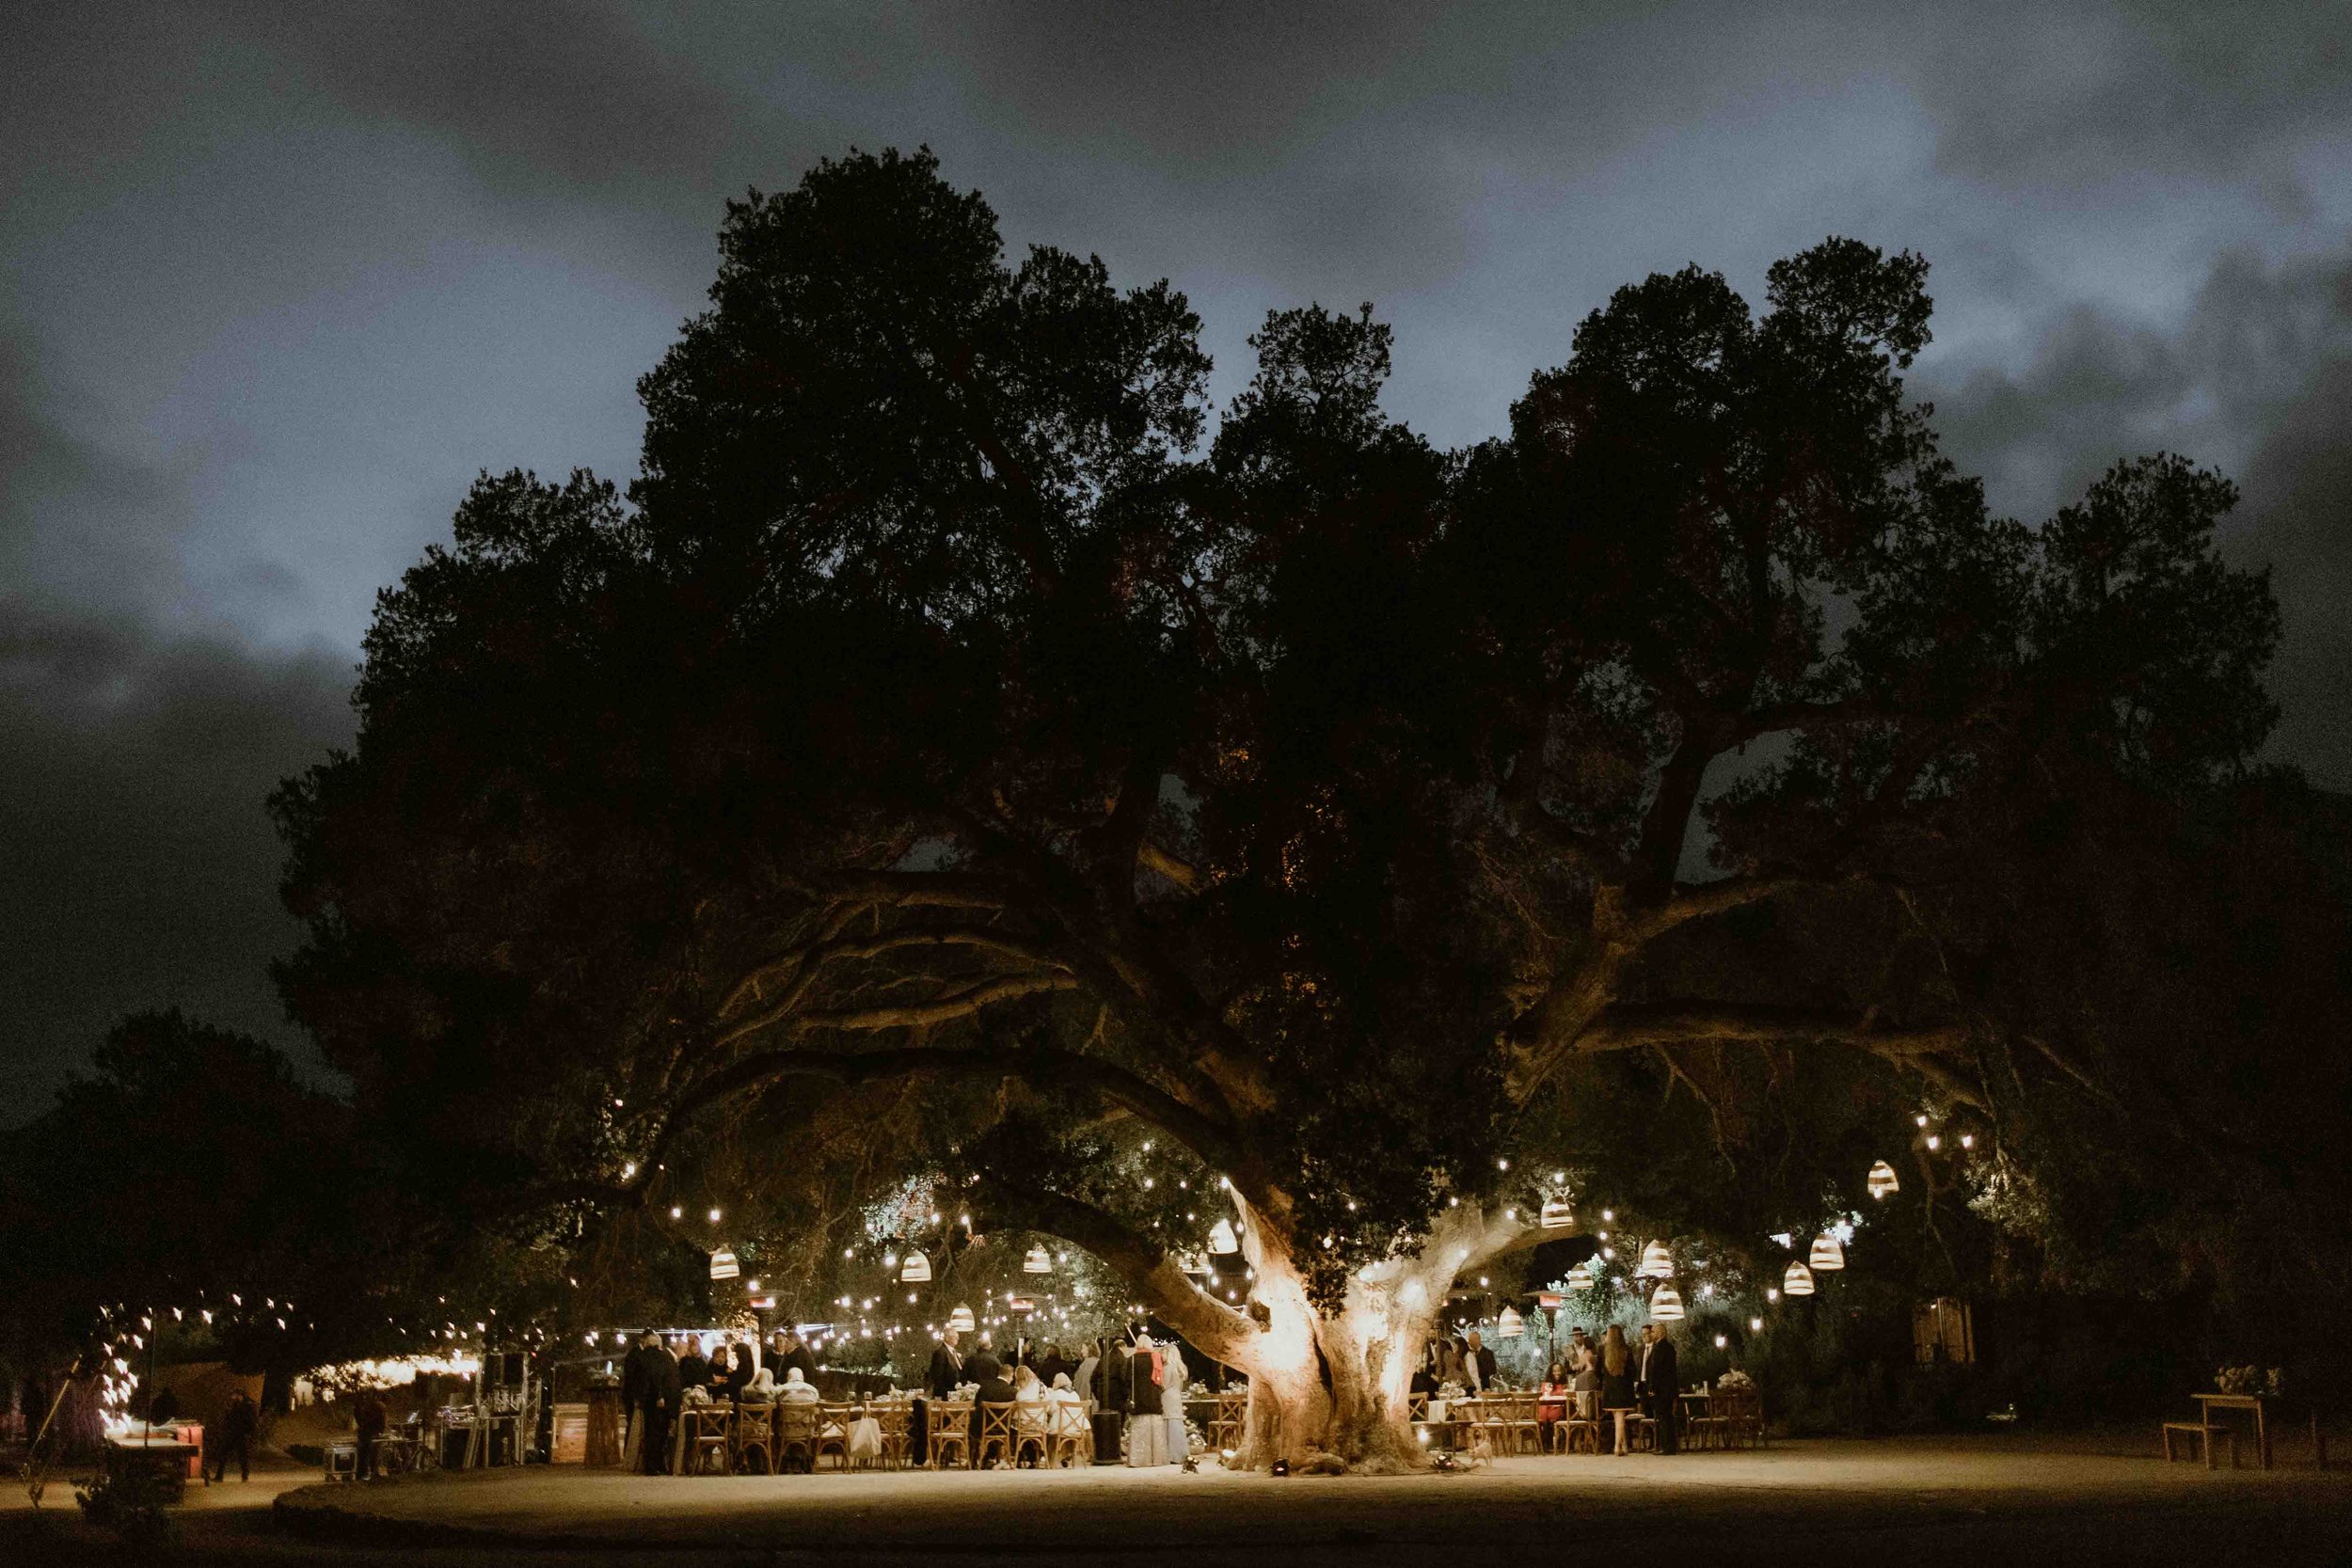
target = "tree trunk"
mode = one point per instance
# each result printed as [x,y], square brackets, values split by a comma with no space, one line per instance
[1337,1383]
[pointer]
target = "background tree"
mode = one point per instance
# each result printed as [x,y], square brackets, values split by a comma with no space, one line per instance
[941,767]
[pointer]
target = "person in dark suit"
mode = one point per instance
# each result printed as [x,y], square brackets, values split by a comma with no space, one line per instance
[649,1386]
[996,1387]
[947,1369]
[790,1352]
[1662,1387]
[235,1439]
[1479,1361]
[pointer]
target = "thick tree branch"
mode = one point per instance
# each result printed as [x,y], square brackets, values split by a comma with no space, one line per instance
[1625,1025]
[1150,1269]
[803,966]
[1183,874]
[1041,1067]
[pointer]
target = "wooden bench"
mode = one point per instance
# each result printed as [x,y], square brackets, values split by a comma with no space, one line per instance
[2205,1435]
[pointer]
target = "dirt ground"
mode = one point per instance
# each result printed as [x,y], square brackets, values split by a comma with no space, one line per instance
[1924,1500]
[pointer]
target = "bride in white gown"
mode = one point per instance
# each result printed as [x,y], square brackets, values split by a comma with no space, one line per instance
[1174,1380]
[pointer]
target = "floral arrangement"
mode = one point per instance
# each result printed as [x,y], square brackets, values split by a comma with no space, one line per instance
[1735,1379]
[1452,1390]
[2251,1379]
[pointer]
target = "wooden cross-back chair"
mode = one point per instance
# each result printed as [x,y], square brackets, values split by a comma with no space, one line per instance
[996,1434]
[795,1435]
[950,1433]
[832,1433]
[755,1433]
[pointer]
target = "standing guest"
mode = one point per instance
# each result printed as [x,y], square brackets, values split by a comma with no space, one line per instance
[1584,1376]
[791,1352]
[1662,1382]
[1175,1380]
[235,1437]
[947,1369]
[1479,1362]
[1052,1364]
[649,1388]
[1616,1373]
[1081,1378]
[1147,1429]
[371,1420]
[693,1369]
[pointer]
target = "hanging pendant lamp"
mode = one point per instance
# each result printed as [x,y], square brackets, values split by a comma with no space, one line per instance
[1557,1215]
[1509,1325]
[1882,1183]
[1828,1256]
[1798,1281]
[961,1319]
[1580,1279]
[1037,1261]
[1658,1261]
[916,1270]
[723,1266]
[1665,1305]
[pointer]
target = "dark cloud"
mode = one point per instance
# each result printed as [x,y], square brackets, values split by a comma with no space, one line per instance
[141,870]
[2081,95]
[279,278]
[2255,380]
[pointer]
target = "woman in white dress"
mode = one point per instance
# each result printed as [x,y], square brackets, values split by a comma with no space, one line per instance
[1174,1380]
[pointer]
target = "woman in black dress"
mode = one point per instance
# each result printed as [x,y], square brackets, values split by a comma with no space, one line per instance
[1616,1371]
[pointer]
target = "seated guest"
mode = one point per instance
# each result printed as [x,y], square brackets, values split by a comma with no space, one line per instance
[1554,1405]
[995,1389]
[761,1389]
[1032,1412]
[795,1389]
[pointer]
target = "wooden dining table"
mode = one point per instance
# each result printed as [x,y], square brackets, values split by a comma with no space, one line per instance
[2211,1402]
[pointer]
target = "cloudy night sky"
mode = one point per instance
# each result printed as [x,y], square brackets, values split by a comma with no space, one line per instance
[279,281]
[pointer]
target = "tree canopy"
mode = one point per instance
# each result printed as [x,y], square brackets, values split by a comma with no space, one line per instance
[960,758]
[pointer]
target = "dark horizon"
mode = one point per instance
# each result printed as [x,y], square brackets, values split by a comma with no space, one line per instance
[282,284]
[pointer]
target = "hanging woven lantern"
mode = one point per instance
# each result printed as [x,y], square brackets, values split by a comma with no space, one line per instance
[916,1270]
[1882,1183]
[1665,1305]
[1557,1215]
[1798,1281]
[1037,1261]
[961,1319]
[1828,1255]
[723,1266]
[1658,1261]
[1580,1279]
[1510,1325]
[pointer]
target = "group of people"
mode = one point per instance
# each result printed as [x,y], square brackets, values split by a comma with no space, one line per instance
[1617,1376]
[656,1380]
[1125,1381]
[1463,1360]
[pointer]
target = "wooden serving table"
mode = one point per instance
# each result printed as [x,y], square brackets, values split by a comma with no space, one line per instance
[2211,1402]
